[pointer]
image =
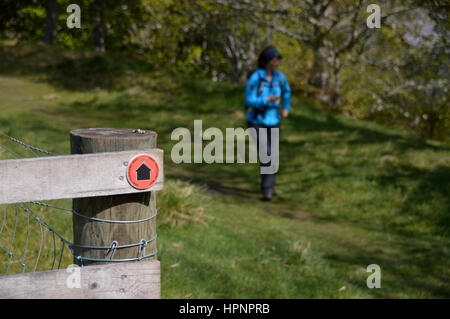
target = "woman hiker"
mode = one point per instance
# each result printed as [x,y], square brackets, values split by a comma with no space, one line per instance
[267,101]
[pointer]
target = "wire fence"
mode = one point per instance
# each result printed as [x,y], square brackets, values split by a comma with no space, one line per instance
[36,236]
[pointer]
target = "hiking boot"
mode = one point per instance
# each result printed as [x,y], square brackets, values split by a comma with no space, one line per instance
[267,195]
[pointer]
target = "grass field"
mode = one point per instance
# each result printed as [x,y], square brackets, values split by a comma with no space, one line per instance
[351,193]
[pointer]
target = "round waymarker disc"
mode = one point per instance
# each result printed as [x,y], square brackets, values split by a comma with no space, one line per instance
[142,171]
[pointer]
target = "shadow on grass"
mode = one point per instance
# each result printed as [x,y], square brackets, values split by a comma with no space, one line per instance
[356,132]
[432,186]
[243,181]
[195,98]
[407,267]
[429,186]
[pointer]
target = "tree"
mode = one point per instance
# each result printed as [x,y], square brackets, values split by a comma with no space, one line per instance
[402,77]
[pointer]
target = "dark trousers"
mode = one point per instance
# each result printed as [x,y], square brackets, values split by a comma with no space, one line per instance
[267,180]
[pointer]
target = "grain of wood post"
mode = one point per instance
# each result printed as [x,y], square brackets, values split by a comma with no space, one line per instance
[135,206]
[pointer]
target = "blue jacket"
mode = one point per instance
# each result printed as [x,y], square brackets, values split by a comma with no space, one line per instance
[259,111]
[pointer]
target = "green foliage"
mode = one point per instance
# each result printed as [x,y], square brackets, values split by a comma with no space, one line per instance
[403,79]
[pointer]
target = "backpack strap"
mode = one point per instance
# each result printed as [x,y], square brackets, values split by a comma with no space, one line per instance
[259,83]
[279,78]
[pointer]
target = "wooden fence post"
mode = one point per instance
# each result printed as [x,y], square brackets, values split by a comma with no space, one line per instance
[129,207]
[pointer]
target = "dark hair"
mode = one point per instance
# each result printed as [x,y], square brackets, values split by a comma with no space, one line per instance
[262,61]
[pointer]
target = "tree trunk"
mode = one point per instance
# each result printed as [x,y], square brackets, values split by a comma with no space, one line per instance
[318,73]
[99,40]
[50,22]
[324,76]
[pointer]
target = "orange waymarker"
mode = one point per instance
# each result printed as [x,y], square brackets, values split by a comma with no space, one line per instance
[142,171]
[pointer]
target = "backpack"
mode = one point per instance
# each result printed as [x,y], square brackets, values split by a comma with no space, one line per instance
[250,73]
[254,110]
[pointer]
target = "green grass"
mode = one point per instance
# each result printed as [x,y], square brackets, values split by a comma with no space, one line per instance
[351,193]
